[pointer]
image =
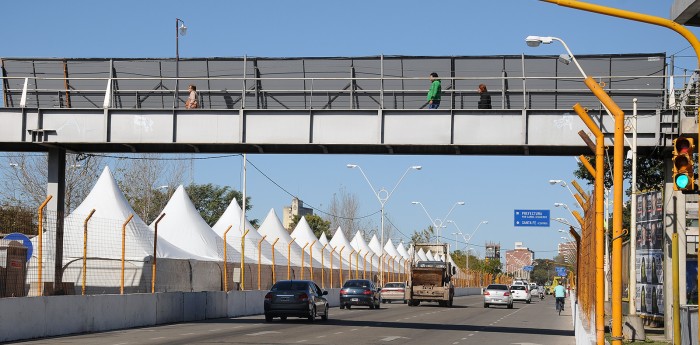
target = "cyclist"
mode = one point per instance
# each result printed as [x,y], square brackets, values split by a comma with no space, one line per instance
[559,296]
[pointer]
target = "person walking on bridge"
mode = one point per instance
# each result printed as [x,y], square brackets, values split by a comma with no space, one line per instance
[434,92]
[484,98]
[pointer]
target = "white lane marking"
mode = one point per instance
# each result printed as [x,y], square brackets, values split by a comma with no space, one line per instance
[156,338]
[456,342]
[393,337]
[301,341]
[321,336]
[188,333]
[338,333]
[214,330]
[262,333]
[471,335]
[121,344]
[354,329]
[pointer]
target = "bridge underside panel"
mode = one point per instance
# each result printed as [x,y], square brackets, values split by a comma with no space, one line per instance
[511,132]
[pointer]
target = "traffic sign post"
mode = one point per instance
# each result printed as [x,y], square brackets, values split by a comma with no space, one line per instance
[539,218]
[15,236]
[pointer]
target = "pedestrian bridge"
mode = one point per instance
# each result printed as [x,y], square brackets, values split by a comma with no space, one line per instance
[358,105]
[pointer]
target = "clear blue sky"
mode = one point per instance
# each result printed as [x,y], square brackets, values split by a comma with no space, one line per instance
[492,187]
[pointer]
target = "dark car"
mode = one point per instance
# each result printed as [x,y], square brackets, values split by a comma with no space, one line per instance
[359,292]
[300,298]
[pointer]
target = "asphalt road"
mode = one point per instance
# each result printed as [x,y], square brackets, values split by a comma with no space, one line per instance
[466,323]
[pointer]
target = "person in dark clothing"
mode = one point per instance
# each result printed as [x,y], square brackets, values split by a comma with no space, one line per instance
[485,98]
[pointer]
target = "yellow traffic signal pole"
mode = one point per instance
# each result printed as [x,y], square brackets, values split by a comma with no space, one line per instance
[683,31]
[599,173]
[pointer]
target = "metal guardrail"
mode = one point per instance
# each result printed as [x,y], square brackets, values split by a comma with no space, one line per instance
[321,93]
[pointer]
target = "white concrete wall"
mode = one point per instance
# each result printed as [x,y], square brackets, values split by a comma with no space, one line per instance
[36,317]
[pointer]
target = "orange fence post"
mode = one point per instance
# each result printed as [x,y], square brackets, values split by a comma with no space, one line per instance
[364,267]
[302,259]
[331,275]
[311,259]
[371,269]
[155,254]
[350,269]
[41,242]
[226,259]
[243,259]
[289,259]
[85,232]
[340,276]
[121,286]
[274,263]
[323,266]
[260,257]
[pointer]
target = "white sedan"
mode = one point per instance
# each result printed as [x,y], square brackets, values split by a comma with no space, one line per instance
[521,293]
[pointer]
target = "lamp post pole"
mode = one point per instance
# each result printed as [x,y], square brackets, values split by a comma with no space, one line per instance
[383,197]
[178,29]
[437,223]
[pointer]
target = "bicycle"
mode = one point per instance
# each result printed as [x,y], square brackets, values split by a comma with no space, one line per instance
[560,304]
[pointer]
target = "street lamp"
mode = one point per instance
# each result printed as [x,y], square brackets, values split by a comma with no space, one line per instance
[383,196]
[437,223]
[535,41]
[566,222]
[563,184]
[456,233]
[561,204]
[180,29]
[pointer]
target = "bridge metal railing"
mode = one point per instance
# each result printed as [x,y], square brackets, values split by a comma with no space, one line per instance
[527,92]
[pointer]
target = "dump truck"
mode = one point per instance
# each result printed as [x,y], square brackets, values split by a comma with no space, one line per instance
[431,281]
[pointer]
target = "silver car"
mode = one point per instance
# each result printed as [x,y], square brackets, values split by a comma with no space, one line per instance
[498,294]
[394,291]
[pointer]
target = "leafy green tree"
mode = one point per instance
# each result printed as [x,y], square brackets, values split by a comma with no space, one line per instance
[650,172]
[423,236]
[460,258]
[211,201]
[492,266]
[543,271]
[17,219]
[317,224]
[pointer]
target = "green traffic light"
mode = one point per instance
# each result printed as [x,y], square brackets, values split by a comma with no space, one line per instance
[682,181]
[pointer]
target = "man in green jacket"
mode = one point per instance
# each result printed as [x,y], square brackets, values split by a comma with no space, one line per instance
[435,91]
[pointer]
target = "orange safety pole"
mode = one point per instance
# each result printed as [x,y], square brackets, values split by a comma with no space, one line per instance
[323,266]
[340,276]
[302,259]
[364,267]
[274,263]
[85,232]
[41,242]
[350,269]
[311,259]
[121,286]
[357,265]
[260,257]
[226,259]
[289,259]
[331,275]
[155,254]
[599,174]
[371,269]
[243,259]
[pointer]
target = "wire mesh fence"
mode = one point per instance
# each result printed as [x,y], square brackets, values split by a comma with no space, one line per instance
[122,254]
[586,266]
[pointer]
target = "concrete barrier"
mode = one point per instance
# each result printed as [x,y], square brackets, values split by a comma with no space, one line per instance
[35,317]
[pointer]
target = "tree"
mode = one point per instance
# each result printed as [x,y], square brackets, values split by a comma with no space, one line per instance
[344,213]
[211,201]
[317,224]
[543,271]
[650,172]
[492,266]
[14,218]
[25,178]
[460,258]
[423,236]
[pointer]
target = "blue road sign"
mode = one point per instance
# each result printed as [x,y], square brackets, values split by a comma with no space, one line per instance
[531,218]
[15,236]
[528,268]
[561,271]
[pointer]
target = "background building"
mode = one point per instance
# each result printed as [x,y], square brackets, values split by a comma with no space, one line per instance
[295,209]
[518,258]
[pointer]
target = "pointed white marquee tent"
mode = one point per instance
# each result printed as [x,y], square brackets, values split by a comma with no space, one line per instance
[305,238]
[375,246]
[421,255]
[402,251]
[342,247]
[232,218]
[285,247]
[366,254]
[184,227]
[392,255]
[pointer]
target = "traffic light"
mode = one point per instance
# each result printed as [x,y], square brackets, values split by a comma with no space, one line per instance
[683,174]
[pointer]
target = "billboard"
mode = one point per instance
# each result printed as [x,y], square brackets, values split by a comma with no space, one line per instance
[649,261]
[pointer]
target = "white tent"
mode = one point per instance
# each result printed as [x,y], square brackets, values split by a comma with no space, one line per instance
[232,218]
[342,246]
[323,240]
[359,244]
[184,227]
[104,228]
[402,251]
[392,254]
[273,229]
[305,238]
[421,255]
[375,246]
